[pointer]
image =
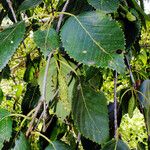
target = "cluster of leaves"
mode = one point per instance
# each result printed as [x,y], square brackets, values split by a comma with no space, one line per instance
[68,50]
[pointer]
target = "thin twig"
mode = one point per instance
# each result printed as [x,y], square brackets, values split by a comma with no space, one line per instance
[33,118]
[130,71]
[42,100]
[115,106]
[78,141]
[61,16]
[12,10]
[14,16]
[45,76]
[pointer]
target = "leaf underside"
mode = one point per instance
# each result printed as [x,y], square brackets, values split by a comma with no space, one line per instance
[93,39]
[9,41]
[90,113]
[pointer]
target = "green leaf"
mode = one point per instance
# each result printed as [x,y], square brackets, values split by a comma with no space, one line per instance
[46,40]
[9,41]
[144,97]
[131,106]
[63,89]
[140,10]
[22,143]
[107,6]
[90,113]
[57,81]
[58,145]
[94,77]
[1,95]
[5,127]
[27,4]
[116,145]
[93,39]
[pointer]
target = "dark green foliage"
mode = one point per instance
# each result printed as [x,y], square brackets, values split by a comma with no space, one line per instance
[22,143]
[30,98]
[47,40]
[5,73]
[27,4]
[58,145]
[132,29]
[118,145]
[90,113]
[1,95]
[88,144]
[106,6]
[144,98]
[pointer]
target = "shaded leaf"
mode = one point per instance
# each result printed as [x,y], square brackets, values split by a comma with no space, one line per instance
[132,29]
[89,145]
[46,40]
[141,146]
[5,73]
[30,98]
[116,145]
[144,98]
[1,95]
[131,106]
[58,145]
[9,41]
[27,4]
[107,6]
[90,113]
[93,39]
[22,143]
[5,127]
[94,77]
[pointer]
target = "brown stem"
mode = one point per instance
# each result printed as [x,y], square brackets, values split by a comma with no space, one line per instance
[61,16]
[115,106]
[42,100]
[12,10]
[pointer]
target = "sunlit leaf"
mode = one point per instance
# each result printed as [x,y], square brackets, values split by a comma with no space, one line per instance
[9,41]
[93,39]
